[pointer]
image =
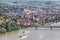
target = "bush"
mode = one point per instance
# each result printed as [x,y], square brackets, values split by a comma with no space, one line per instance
[3,25]
[9,30]
[9,26]
[46,20]
[13,26]
[18,27]
[3,30]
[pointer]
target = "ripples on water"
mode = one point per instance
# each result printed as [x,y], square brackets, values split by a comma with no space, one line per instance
[10,35]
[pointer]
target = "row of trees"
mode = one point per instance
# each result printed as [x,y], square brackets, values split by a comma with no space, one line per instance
[8,26]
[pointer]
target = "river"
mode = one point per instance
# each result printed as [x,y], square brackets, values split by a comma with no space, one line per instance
[14,35]
[39,34]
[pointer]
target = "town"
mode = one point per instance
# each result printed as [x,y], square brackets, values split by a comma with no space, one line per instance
[28,16]
[29,20]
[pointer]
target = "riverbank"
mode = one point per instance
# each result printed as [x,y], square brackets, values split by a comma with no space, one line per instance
[7,33]
[34,34]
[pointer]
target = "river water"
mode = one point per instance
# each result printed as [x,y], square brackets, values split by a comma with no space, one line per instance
[39,34]
[14,35]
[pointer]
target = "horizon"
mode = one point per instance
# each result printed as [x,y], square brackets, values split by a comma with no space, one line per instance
[9,1]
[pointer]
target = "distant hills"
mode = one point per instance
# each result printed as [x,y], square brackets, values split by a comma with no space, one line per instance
[38,4]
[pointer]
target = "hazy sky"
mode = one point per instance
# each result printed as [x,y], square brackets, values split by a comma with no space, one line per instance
[7,1]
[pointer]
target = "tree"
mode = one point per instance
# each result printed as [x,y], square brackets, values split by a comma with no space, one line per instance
[13,26]
[1,13]
[46,20]
[3,30]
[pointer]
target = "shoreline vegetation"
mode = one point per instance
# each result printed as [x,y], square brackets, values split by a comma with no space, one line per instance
[27,18]
[11,25]
[7,33]
[7,26]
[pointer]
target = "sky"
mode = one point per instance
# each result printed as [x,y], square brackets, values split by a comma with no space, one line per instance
[7,1]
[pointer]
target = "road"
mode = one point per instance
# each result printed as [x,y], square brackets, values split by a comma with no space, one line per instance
[39,34]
